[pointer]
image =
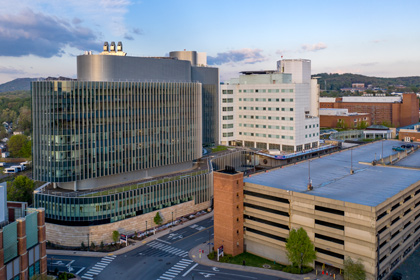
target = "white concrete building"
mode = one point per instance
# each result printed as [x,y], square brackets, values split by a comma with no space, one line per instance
[272,109]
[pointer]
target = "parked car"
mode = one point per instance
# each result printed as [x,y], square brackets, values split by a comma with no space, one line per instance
[398,148]
[407,146]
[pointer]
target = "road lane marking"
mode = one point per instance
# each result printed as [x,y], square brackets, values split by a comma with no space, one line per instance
[186,273]
[192,235]
[80,270]
[90,278]
[218,272]
[164,241]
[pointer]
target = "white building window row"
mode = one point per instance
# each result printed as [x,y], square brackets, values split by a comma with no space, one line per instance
[227,100]
[266,90]
[311,126]
[311,135]
[227,118]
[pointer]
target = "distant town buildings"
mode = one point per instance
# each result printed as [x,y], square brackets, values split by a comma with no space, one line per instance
[391,110]
[272,109]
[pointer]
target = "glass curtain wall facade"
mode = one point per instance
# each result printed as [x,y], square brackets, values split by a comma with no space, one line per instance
[85,130]
[117,204]
[210,114]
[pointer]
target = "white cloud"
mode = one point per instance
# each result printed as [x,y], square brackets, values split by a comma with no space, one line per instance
[314,47]
[244,56]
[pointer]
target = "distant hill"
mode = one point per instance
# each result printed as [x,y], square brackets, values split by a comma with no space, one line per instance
[17,84]
[24,84]
[338,81]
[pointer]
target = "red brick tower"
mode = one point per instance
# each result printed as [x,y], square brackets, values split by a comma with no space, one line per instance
[229,211]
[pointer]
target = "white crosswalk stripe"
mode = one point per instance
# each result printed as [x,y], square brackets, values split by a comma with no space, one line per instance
[166,248]
[176,269]
[98,267]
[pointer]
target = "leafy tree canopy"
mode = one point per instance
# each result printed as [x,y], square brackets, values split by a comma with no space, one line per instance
[354,270]
[115,235]
[300,250]
[21,189]
[19,146]
[157,219]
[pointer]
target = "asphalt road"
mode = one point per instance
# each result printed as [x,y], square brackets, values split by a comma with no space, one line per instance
[165,258]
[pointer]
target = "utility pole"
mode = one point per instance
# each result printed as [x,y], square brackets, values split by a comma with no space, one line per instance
[382,151]
[309,176]
[351,161]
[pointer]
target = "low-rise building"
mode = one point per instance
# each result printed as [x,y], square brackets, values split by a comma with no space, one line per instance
[410,134]
[350,204]
[393,110]
[331,117]
[23,244]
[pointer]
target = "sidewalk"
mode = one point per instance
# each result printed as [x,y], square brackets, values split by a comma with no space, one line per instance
[195,256]
[132,246]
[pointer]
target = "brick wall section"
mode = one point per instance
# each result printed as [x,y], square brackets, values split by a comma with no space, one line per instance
[228,212]
[414,135]
[397,114]
[409,109]
[332,121]
[22,252]
[73,236]
[42,240]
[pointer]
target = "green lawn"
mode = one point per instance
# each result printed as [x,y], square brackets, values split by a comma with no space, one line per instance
[253,260]
[219,148]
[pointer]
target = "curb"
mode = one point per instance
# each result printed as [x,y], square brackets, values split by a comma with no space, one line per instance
[205,261]
[129,248]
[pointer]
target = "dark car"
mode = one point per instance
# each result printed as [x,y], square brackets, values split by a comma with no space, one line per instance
[407,146]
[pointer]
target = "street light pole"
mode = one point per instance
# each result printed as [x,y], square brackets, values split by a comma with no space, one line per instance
[172,219]
[382,151]
[209,240]
[146,227]
[88,241]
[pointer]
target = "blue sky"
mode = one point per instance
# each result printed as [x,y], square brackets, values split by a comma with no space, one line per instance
[371,37]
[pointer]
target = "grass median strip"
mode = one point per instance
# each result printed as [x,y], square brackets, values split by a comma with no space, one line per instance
[250,260]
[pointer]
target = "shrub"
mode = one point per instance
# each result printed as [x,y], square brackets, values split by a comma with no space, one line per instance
[211,255]
[225,258]
[115,236]
[158,219]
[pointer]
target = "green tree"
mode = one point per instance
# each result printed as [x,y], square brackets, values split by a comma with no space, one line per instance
[158,219]
[24,119]
[19,146]
[354,270]
[8,115]
[300,250]
[21,189]
[3,132]
[362,125]
[115,236]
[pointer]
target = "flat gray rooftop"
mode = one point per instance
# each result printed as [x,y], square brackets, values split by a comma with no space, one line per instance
[330,175]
